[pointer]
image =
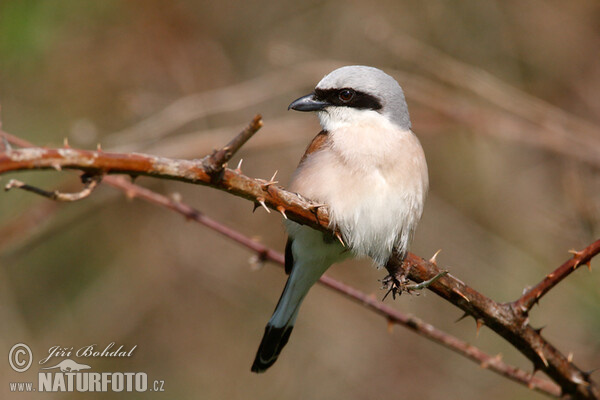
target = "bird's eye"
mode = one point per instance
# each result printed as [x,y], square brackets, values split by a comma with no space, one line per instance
[346,95]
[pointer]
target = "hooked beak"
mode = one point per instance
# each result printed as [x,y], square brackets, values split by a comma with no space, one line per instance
[308,103]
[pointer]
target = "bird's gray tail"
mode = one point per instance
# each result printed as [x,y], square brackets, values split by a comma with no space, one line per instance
[279,328]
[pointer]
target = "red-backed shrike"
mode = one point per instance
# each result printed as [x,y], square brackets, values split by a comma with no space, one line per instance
[369,168]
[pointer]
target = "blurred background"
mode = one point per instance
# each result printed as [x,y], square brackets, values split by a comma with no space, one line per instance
[503,95]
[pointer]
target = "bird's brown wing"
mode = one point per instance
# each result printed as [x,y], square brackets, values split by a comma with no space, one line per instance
[317,143]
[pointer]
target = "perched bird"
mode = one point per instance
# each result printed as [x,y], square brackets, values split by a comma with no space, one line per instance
[368,167]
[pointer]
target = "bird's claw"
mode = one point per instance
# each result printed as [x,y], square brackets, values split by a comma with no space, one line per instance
[397,284]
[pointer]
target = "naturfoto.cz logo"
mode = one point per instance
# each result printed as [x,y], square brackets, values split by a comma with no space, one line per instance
[69,375]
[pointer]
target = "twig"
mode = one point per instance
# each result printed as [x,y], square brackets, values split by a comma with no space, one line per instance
[215,163]
[90,182]
[533,295]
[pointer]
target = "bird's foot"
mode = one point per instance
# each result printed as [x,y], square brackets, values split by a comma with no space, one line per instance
[397,284]
[394,284]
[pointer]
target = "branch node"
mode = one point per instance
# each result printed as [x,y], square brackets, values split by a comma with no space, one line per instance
[215,163]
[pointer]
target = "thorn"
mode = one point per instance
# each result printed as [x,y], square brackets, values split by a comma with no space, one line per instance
[66,143]
[282,211]
[580,380]
[56,166]
[589,265]
[256,205]
[238,169]
[130,194]
[539,330]
[492,360]
[133,177]
[272,181]
[339,237]
[98,147]
[390,326]
[479,323]
[433,259]
[176,197]
[465,298]
[570,357]
[261,201]
[465,315]
[256,263]
[542,357]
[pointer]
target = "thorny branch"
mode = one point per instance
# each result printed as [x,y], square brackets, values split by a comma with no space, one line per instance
[264,253]
[533,295]
[501,318]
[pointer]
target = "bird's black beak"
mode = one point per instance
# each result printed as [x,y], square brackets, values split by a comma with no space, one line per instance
[308,103]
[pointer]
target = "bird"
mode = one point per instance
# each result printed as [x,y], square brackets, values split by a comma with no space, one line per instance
[369,168]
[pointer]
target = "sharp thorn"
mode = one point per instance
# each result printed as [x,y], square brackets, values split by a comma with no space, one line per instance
[570,357]
[176,197]
[539,330]
[339,237]
[433,259]
[465,298]
[390,326]
[256,205]
[589,265]
[66,143]
[256,262]
[273,177]
[56,166]
[98,147]
[261,201]
[542,357]
[282,211]
[465,315]
[479,323]
[238,169]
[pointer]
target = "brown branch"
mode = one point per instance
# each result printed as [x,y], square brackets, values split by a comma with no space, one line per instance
[215,163]
[533,295]
[90,182]
[501,318]
[420,327]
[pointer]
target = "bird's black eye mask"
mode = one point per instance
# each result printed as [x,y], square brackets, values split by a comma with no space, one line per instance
[347,97]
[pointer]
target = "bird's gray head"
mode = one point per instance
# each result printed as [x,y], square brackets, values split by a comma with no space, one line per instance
[360,88]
